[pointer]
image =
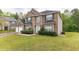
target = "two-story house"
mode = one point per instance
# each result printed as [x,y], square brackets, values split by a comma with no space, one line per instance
[50,20]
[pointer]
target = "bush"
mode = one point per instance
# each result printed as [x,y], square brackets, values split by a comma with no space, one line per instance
[44,32]
[47,33]
[27,31]
[62,32]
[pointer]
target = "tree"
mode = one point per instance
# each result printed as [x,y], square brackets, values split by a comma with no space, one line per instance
[74,11]
[67,12]
[1,12]
[75,17]
[23,21]
[16,16]
[22,18]
[66,21]
[71,22]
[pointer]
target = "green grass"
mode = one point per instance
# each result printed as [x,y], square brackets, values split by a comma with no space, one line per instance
[6,31]
[69,42]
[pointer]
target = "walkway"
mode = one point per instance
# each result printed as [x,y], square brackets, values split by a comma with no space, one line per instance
[6,34]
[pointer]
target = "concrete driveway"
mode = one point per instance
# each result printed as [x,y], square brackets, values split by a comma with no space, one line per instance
[6,34]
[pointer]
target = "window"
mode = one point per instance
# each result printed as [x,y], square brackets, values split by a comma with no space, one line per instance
[49,28]
[49,17]
[13,22]
[26,20]
[29,20]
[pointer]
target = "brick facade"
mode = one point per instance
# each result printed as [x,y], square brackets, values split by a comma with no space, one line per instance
[33,14]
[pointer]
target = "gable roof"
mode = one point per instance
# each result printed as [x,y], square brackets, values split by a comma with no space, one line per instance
[7,19]
[48,12]
[33,12]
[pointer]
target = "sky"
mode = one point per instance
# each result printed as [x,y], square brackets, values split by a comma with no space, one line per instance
[25,10]
[40,5]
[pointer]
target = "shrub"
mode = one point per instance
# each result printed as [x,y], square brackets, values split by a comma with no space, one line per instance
[44,32]
[62,32]
[47,33]
[27,31]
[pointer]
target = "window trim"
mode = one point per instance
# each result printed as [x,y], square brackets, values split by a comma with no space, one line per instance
[49,20]
[30,19]
[26,20]
[49,28]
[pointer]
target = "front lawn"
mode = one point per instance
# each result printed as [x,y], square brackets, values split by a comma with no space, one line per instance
[6,31]
[40,43]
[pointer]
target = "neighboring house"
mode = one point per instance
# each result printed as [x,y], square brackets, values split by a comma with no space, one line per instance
[50,20]
[7,23]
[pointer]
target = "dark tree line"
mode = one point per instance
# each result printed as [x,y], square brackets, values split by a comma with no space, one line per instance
[7,14]
[70,20]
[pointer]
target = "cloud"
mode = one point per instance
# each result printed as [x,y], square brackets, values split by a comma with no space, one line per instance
[25,10]
[14,10]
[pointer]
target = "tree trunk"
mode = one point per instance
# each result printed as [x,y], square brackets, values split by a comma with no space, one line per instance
[24,27]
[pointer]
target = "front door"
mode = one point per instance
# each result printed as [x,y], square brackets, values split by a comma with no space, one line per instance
[37,28]
[38,20]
